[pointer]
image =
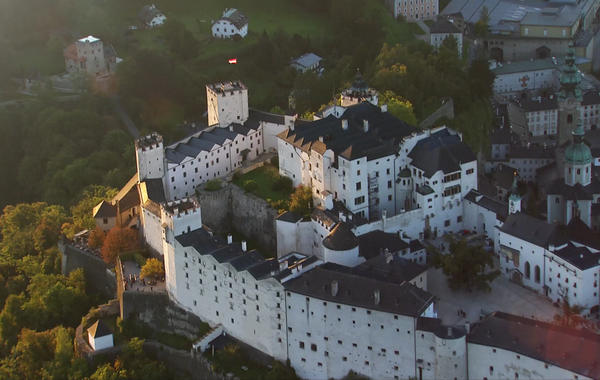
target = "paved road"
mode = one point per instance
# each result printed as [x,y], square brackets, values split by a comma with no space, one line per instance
[129,124]
[505,296]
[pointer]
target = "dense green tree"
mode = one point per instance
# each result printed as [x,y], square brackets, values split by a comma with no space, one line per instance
[467,266]
[179,39]
[82,211]
[401,108]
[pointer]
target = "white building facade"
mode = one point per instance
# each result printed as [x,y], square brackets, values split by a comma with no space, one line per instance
[232,23]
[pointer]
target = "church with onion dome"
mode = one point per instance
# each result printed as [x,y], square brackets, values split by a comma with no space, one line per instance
[577,194]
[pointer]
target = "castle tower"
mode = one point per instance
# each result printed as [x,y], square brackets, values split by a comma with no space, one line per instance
[578,159]
[359,92]
[227,103]
[514,200]
[181,216]
[569,97]
[150,157]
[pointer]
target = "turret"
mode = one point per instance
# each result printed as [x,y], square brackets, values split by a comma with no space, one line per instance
[514,200]
[578,159]
[150,157]
[227,103]
[359,92]
[181,216]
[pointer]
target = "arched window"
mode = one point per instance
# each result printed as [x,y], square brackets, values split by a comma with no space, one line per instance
[537,274]
[527,270]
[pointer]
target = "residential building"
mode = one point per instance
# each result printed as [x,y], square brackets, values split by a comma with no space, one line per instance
[372,162]
[560,262]
[527,160]
[413,10]
[541,115]
[442,29]
[307,62]
[150,16]
[232,23]
[504,346]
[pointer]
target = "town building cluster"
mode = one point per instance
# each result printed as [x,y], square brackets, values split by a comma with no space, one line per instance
[348,288]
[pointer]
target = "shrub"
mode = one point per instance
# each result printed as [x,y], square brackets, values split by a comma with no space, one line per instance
[213,185]
[96,238]
[284,184]
[250,186]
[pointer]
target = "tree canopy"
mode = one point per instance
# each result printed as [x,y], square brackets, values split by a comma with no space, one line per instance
[153,269]
[467,266]
[119,240]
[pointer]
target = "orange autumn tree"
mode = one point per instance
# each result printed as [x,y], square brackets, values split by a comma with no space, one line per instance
[117,241]
[96,238]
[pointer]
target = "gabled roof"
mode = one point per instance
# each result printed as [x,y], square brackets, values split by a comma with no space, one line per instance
[307,60]
[574,350]
[441,151]
[530,229]
[99,329]
[360,291]
[581,257]
[375,242]
[576,192]
[442,25]
[385,132]
[104,210]
[397,270]
[488,203]
[235,17]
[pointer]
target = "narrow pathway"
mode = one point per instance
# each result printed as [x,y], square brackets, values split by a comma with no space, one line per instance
[129,124]
[423,26]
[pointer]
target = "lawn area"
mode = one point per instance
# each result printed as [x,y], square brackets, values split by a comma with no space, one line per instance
[265,177]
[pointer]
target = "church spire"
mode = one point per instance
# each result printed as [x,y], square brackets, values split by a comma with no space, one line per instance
[570,78]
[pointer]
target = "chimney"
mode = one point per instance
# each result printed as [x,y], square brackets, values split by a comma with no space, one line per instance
[449,331]
[366,125]
[376,296]
[467,327]
[334,288]
[344,124]
[244,247]
[388,256]
[231,128]
[229,239]
[384,108]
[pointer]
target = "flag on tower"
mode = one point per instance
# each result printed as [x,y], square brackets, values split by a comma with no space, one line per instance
[232,61]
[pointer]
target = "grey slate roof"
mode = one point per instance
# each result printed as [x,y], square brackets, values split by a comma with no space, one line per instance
[341,238]
[435,326]
[373,243]
[574,350]
[382,139]
[533,151]
[266,116]
[105,210]
[581,257]
[236,17]
[251,261]
[289,217]
[207,140]
[528,228]
[499,208]
[398,270]
[539,104]
[441,151]
[359,291]
[99,329]
[578,191]
[307,60]
[443,26]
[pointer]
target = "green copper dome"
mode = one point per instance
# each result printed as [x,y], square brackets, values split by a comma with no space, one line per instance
[578,153]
